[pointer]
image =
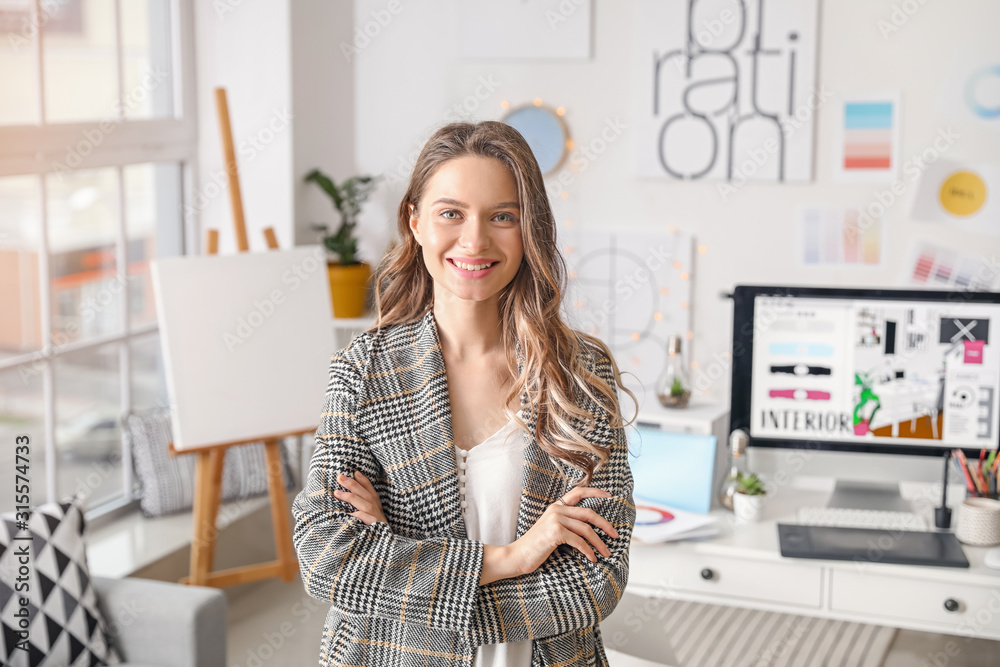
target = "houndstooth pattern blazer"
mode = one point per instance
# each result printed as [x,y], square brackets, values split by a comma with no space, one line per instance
[407,592]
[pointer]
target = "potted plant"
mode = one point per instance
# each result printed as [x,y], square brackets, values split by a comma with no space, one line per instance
[347,274]
[749,497]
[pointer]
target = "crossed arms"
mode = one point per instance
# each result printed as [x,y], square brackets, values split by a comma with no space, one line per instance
[367,570]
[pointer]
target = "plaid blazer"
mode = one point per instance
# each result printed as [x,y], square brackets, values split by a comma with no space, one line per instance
[407,592]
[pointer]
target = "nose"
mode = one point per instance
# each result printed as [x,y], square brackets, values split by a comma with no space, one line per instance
[475,235]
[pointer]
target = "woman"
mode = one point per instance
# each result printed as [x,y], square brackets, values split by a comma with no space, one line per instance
[437,539]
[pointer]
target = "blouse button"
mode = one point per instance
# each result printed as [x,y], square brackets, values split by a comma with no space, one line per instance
[465,504]
[461,478]
[463,452]
[463,465]
[462,490]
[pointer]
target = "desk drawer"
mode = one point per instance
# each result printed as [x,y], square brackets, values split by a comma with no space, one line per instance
[922,600]
[780,583]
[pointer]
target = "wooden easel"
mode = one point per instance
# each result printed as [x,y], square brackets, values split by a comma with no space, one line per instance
[208,466]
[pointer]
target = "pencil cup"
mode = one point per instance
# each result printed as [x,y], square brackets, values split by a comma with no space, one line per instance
[979,522]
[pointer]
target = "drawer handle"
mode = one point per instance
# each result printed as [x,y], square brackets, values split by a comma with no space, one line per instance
[951,604]
[707,574]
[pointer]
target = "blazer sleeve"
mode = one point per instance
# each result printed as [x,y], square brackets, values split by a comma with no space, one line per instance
[567,591]
[367,570]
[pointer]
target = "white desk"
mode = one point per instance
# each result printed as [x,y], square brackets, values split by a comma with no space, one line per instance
[743,567]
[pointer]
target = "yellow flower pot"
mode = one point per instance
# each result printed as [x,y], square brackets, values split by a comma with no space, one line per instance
[348,287]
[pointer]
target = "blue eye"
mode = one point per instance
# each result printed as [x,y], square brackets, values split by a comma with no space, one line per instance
[445,214]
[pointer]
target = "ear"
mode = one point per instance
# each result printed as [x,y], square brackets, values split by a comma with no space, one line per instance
[413,223]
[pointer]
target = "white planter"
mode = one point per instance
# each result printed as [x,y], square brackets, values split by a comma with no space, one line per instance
[979,522]
[748,508]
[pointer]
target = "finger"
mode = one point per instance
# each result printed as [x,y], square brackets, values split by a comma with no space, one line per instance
[583,528]
[362,487]
[574,540]
[359,500]
[348,482]
[345,496]
[358,488]
[576,494]
[364,481]
[591,516]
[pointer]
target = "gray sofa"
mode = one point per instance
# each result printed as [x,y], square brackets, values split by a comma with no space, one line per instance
[162,624]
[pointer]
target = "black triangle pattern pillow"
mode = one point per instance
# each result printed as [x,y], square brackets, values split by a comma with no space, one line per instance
[65,626]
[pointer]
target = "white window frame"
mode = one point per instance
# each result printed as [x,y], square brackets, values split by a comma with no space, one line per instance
[41,148]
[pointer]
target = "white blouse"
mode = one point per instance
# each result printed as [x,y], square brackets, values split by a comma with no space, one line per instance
[489,482]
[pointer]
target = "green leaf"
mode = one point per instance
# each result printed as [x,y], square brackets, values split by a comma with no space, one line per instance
[347,199]
[329,187]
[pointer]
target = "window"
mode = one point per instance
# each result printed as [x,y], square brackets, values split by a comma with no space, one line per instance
[97,149]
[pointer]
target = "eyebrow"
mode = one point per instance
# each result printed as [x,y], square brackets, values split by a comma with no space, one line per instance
[455,202]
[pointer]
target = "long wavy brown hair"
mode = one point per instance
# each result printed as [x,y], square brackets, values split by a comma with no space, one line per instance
[554,370]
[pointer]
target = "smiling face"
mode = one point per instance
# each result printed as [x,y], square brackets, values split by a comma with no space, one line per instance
[469,215]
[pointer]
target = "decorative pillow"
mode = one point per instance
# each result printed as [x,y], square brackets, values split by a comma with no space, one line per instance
[65,626]
[168,481]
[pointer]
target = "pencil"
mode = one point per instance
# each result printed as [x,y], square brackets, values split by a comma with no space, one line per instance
[977,475]
[963,464]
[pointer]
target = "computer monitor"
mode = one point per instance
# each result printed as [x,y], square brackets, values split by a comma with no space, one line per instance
[880,371]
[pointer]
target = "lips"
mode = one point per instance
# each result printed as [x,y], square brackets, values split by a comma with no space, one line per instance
[477,262]
[466,273]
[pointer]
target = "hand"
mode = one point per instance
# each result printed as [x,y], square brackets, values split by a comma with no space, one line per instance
[363,496]
[563,524]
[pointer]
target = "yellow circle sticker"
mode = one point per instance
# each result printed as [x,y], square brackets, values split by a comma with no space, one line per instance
[963,193]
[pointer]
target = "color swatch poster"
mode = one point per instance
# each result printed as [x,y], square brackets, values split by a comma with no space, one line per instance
[934,267]
[832,235]
[868,143]
[962,195]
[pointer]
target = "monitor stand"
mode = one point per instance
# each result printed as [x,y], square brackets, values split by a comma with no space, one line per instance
[882,496]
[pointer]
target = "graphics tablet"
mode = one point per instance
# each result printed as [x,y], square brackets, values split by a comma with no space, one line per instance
[872,545]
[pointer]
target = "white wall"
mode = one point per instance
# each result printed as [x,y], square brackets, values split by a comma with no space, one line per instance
[290,93]
[323,100]
[408,79]
[245,48]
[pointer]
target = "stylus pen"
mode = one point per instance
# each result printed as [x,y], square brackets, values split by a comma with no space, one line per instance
[944,487]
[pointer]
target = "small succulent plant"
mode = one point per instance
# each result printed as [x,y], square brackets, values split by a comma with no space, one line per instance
[749,485]
[677,388]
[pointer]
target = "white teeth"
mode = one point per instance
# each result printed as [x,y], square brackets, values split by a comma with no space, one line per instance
[471,267]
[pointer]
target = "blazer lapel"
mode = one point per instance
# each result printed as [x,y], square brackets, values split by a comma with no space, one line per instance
[542,480]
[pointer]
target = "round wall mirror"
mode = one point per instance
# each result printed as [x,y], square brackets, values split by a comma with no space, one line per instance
[545,131]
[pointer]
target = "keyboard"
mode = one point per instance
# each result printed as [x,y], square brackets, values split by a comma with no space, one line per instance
[846,517]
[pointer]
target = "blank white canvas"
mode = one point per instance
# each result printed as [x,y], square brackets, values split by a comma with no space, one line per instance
[524,28]
[246,340]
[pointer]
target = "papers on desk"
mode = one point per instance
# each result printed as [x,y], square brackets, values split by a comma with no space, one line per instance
[655,522]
